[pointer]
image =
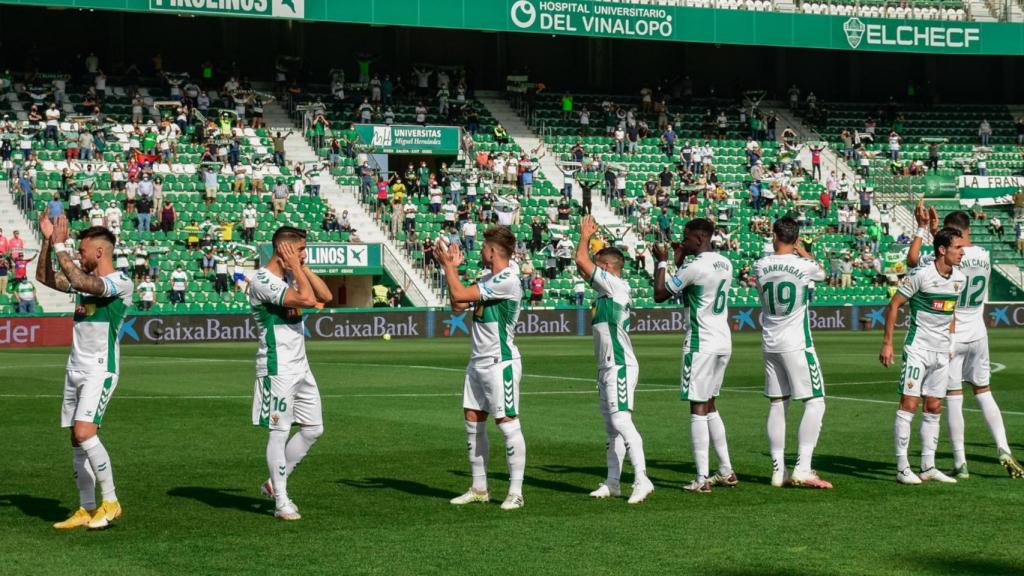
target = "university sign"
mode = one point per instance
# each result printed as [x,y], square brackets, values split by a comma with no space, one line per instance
[591,18]
[403,139]
[334,259]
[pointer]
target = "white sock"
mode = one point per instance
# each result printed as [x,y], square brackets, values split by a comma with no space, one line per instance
[901,434]
[277,465]
[807,436]
[632,442]
[299,445]
[777,434]
[994,419]
[479,449]
[699,435]
[955,421]
[84,478]
[614,451]
[515,454]
[929,439]
[716,431]
[101,467]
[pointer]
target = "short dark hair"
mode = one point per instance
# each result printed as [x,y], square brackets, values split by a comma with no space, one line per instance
[957,219]
[287,234]
[613,255]
[98,232]
[786,230]
[944,238]
[701,225]
[503,237]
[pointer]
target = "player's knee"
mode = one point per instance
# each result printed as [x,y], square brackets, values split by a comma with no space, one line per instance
[311,433]
[81,434]
[933,405]
[621,419]
[980,389]
[699,408]
[909,404]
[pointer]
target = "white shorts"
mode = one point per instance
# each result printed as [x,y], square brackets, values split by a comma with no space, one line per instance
[924,373]
[616,386]
[86,396]
[970,364]
[492,386]
[795,374]
[286,399]
[702,376]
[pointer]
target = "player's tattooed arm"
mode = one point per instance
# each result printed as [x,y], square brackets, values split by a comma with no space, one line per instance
[77,278]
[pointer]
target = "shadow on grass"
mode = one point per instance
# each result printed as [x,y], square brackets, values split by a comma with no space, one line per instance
[223,498]
[953,565]
[48,509]
[533,481]
[854,467]
[598,471]
[687,470]
[407,486]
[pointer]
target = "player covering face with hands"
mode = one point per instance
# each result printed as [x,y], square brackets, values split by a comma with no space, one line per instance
[704,285]
[103,296]
[286,392]
[617,368]
[492,376]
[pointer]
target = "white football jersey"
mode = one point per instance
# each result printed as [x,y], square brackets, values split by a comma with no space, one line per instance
[932,300]
[282,341]
[782,283]
[94,345]
[705,283]
[970,309]
[496,314]
[610,324]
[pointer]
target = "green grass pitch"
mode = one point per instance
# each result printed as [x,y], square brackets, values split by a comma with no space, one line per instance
[374,491]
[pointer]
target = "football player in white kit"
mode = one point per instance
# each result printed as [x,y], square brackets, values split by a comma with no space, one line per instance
[103,298]
[704,284]
[970,362]
[285,392]
[932,292]
[494,370]
[792,369]
[617,368]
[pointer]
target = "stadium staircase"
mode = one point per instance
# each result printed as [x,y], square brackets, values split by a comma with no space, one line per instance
[528,140]
[345,198]
[11,219]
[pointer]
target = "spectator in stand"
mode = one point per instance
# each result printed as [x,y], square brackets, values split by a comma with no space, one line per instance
[846,272]
[996,226]
[664,226]
[249,221]
[865,202]
[1018,229]
[210,185]
[179,284]
[382,196]
[279,197]
[26,292]
[500,134]
[54,207]
[15,245]
[984,132]
[816,160]
[469,234]
[192,231]
[894,146]
[279,156]
[640,257]
[435,194]
[824,203]
[168,217]
[5,269]
[221,271]
[536,289]
[147,294]
[21,266]
[668,141]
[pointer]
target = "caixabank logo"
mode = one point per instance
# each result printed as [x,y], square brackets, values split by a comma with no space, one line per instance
[893,35]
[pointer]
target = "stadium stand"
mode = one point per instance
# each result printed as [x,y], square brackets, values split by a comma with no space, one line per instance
[914,9]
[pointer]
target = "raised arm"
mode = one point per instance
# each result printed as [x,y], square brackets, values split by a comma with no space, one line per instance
[922,217]
[78,279]
[584,265]
[661,292]
[461,296]
[45,274]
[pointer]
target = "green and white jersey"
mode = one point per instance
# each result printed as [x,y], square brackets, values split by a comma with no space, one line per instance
[782,282]
[705,283]
[94,344]
[933,300]
[147,291]
[496,314]
[976,267]
[179,280]
[610,325]
[282,342]
[26,291]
